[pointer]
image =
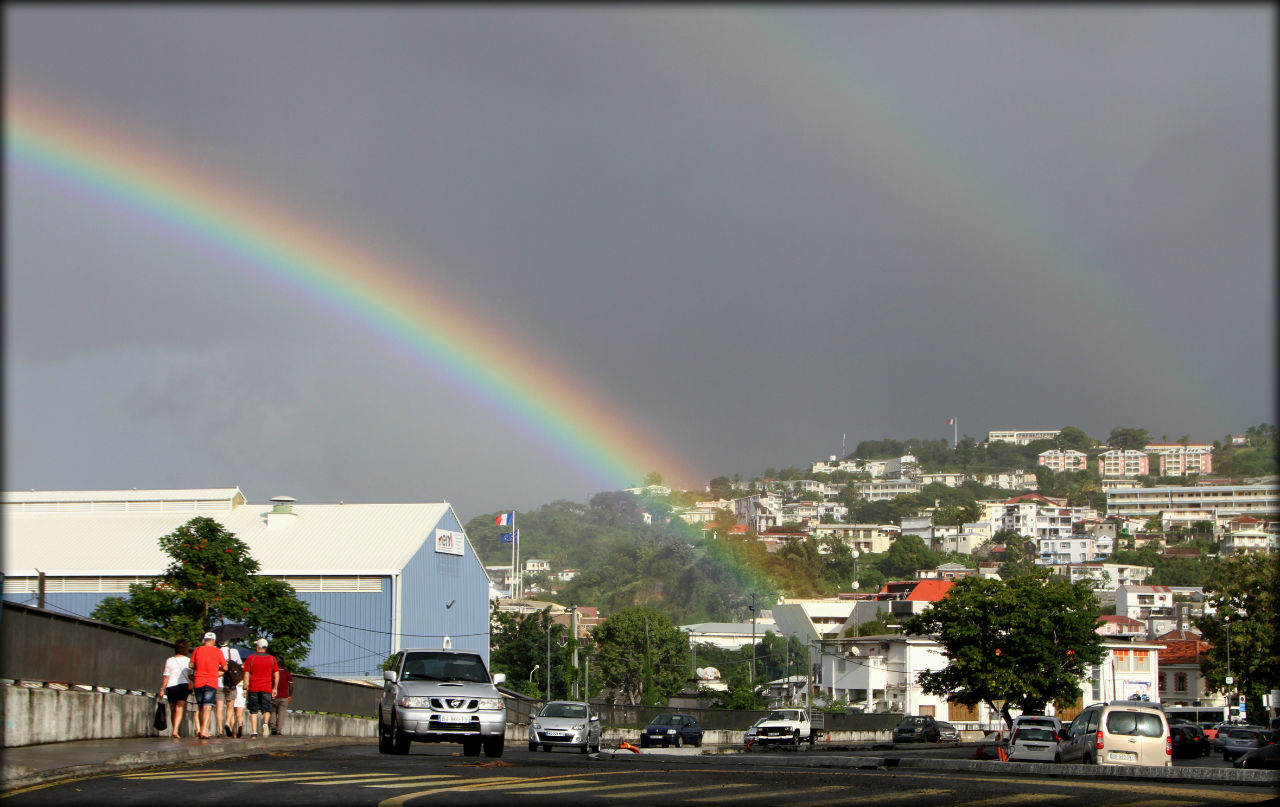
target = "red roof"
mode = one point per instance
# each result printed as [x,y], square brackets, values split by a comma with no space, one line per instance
[1183,652]
[1120,619]
[930,590]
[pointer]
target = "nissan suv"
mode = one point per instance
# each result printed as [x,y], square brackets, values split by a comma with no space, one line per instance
[441,696]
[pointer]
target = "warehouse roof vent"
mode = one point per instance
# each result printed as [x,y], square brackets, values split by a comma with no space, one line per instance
[281,514]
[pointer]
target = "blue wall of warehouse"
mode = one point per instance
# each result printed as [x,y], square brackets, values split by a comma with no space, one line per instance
[433,579]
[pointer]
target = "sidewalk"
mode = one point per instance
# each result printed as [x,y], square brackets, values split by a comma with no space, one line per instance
[25,766]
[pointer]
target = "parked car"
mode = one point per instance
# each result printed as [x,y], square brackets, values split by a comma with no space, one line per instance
[787,726]
[1188,740]
[1043,721]
[565,723]
[1239,740]
[1265,758]
[749,736]
[1119,733]
[947,733]
[917,729]
[441,696]
[1033,742]
[670,729]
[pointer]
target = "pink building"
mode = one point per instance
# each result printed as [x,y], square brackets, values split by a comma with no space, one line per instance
[1121,462]
[1058,460]
[1179,460]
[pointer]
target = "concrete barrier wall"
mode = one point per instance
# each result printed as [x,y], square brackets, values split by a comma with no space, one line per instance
[35,716]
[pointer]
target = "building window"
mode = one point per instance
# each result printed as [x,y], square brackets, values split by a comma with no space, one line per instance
[1180,682]
[1162,685]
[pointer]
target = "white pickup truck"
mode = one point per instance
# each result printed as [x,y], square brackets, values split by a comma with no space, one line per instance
[791,726]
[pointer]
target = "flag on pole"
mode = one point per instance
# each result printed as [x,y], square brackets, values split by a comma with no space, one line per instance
[951,421]
[505,519]
[507,537]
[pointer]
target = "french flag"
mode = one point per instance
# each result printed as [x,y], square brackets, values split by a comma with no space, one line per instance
[505,519]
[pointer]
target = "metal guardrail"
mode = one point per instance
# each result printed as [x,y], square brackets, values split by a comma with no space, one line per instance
[49,647]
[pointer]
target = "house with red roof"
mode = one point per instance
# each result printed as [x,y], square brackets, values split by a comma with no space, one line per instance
[1180,681]
[1119,625]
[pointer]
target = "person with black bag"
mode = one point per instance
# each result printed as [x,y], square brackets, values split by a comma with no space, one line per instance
[177,688]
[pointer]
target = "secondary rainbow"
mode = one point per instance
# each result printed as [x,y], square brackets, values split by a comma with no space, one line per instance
[351,281]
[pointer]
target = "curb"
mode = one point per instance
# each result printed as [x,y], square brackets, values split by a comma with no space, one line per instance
[1215,776]
[17,777]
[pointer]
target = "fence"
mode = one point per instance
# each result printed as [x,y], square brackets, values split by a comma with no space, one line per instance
[637,717]
[48,647]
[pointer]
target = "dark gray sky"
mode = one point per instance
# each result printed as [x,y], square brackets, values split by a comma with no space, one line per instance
[751,229]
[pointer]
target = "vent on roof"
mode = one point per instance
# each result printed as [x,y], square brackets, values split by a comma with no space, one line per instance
[281,514]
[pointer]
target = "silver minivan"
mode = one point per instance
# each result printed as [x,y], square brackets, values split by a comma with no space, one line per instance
[1119,733]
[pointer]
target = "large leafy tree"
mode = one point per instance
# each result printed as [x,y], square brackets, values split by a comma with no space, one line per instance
[1024,642]
[641,656]
[522,642]
[211,580]
[1244,591]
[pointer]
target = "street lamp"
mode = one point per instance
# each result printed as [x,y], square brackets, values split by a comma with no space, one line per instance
[536,667]
[752,676]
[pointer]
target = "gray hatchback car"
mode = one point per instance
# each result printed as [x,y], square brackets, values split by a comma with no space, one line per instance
[565,723]
[441,696]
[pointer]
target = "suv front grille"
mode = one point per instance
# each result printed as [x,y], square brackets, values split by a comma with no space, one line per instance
[454,704]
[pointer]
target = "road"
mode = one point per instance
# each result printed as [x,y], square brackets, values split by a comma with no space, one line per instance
[433,774]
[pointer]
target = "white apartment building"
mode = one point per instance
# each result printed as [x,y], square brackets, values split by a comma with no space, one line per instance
[1071,549]
[887,489]
[1009,480]
[803,512]
[1196,502]
[1143,602]
[1059,460]
[1247,541]
[1123,463]
[1129,670]
[950,480]
[1034,520]
[1021,436]
[880,674]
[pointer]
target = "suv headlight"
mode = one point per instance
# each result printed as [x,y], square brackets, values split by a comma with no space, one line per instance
[415,702]
[489,703]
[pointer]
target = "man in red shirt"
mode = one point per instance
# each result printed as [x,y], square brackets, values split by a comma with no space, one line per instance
[261,677]
[207,664]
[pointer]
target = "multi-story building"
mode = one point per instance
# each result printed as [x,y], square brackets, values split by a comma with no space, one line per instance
[1123,463]
[1180,681]
[950,480]
[1060,460]
[1215,503]
[1144,602]
[887,489]
[865,538]
[1008,480]
[1130,671]
[1030,517]
[1021,436]
[1182,460]
[1106,576]
[1254,542]
[1063,550]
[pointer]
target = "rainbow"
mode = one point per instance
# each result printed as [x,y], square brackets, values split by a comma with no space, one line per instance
[352,282]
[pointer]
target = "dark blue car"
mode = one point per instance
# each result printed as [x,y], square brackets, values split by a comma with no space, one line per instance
[672,729]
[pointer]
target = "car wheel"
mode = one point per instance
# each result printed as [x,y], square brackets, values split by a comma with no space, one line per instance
[399,740]
[795,737]
[533,746]
[471,748]
[586,746]
[384,740]
[644,742]
[698,742]
[546,748]
[679,740]
[493,747]
[1057,758]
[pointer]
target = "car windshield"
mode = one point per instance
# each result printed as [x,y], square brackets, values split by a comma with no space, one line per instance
[667,720]
[913,721]
[1135,724]
[784,714]
[563,710]
[444,667]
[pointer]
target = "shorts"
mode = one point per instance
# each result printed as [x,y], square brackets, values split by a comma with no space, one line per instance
[259,702]
[206,696]
[177,693]
[234,694]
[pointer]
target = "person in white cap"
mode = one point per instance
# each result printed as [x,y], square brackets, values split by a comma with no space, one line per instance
[261,677]
[207,664]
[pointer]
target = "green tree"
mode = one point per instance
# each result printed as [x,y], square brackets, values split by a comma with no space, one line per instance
[1244,592]
[906,555]
[212,579]
[1023,642]
[1128,437]
[1074,438]
[641,656]
[521,642]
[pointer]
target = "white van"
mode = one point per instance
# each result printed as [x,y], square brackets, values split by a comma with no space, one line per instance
[1119,733]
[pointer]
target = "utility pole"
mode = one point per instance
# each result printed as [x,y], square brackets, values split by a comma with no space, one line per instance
[549,623]
[573,638]
[752,676]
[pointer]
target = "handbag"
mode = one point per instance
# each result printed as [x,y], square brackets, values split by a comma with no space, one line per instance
[162,716]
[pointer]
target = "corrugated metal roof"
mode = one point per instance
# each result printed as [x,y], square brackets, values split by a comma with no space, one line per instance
[321,539]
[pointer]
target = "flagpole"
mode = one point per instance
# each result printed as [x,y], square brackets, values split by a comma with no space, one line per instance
[955,433]
[515,539]
[513,563]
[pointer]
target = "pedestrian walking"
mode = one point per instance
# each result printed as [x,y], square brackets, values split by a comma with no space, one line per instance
[177,683]
[207,663]
[261,677]
[230,695]
[280,701]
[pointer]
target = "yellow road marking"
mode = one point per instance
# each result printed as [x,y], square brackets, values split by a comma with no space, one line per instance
[186,772]
[413,781]
[922,793]
[1015,798]
[712,799]
[771,794]
[1133,787]
[398,801]
[593,789]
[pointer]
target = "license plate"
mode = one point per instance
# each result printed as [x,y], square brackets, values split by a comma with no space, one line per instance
[455,718]
[554,733]
[1121,756]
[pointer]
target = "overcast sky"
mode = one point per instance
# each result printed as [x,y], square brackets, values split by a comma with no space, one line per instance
[749,230]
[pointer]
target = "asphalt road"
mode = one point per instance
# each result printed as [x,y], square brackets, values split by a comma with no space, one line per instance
[434,774]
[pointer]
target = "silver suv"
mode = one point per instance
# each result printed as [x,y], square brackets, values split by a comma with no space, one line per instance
[441,696]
